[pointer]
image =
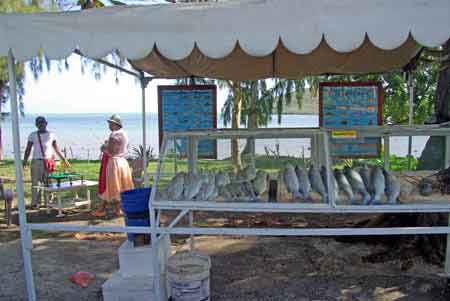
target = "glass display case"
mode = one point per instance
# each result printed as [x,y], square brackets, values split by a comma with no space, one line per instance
[290,169]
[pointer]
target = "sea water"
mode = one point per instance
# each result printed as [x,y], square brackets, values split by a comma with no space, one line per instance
[81,135]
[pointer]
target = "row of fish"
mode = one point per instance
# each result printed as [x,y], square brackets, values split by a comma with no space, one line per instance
[371,183]
[206,186]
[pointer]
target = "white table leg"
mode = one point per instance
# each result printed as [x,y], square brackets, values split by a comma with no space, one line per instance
[60,213]
[191,224]
[47,205]
[88,198]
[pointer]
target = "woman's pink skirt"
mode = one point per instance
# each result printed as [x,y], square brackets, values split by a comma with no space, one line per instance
[118,178]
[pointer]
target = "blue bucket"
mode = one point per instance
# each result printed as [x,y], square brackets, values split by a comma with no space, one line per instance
[135,200]
[135,206]
[136,220]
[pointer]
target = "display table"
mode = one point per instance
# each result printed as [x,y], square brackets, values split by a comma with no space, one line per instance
[56,189]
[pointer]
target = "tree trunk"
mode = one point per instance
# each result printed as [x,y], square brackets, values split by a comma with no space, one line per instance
[235,124]
[433,155]
[252,120]
[442,107]
[1,119]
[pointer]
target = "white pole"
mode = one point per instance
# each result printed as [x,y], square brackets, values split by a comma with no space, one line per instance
[144,130]
[25,233]
[410,115]
[154,227]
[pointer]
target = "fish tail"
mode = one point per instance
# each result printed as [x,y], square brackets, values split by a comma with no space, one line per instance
[367,199]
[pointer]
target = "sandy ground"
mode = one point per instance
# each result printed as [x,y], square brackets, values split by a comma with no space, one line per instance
[243,268]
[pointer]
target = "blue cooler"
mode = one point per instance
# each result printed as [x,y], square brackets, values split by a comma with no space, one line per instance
[135,206]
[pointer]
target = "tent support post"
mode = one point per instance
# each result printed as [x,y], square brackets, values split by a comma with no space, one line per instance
[387,150]
[447,258]
[25,232]
[144,83]
[410,115]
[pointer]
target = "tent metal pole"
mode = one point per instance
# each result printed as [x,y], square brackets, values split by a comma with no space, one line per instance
[25,232]
[76,51]
[410,115]
[144,129]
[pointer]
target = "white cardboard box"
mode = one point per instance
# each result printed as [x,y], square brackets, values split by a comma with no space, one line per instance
[118,288]
[137,261]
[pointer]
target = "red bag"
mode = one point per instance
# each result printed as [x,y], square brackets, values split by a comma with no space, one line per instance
[82,278]
[49,164]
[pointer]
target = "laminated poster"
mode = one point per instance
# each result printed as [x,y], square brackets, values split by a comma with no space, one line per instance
[183,108]
[344,105]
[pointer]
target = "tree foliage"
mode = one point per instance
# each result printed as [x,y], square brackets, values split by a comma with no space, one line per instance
[36,65]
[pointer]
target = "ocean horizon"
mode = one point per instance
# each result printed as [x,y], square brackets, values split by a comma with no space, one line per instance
[81,134]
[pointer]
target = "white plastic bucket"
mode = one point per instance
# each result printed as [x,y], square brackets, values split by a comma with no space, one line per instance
[188,276]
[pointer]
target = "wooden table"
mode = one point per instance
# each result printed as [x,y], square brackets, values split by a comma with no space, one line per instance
[55,189]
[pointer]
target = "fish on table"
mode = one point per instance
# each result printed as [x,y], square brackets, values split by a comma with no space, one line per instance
[206,191]
[291,181]
[316,182]
[192,185]
[392,189]
[377,184]
[222,178]
[175,187]
[365,172]
[260,183]
[344,185]
[303,181]
[249,172]
[334,184]
[357,183]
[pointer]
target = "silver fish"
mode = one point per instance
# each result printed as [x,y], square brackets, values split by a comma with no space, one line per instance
[392,189]
[222,179]
[365,172]
[316,182]
[236,190]
[334,184]
[161,195]
[249,172]
[192,186]
[176,186]
[213,194]
[247,189]
[357,183]
[205,176]
[291,181]
[344,185]
[232,176]
[260,183]
[206,190]
[224,192]
[303,181]
[377,184]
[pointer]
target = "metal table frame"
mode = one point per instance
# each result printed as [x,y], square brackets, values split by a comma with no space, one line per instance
[322,146]
[66,186]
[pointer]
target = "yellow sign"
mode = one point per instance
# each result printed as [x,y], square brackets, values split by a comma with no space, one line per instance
[344,134]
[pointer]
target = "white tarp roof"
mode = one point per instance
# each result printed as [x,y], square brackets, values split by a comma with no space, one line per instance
[255,29]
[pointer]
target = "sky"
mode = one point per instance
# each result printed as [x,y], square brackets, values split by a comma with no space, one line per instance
[71,91]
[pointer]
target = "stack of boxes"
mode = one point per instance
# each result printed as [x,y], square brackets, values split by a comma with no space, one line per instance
[134,279]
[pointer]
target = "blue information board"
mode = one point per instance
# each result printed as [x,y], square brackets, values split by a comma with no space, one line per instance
[344,105]
[183,108]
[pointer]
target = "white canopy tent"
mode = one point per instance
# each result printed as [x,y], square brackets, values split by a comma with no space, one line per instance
[229,39]
[239,39]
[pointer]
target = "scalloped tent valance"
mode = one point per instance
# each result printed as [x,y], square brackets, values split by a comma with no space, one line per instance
[240,39]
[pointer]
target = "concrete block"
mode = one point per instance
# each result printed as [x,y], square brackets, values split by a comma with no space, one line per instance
[119,288]
[137,261]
